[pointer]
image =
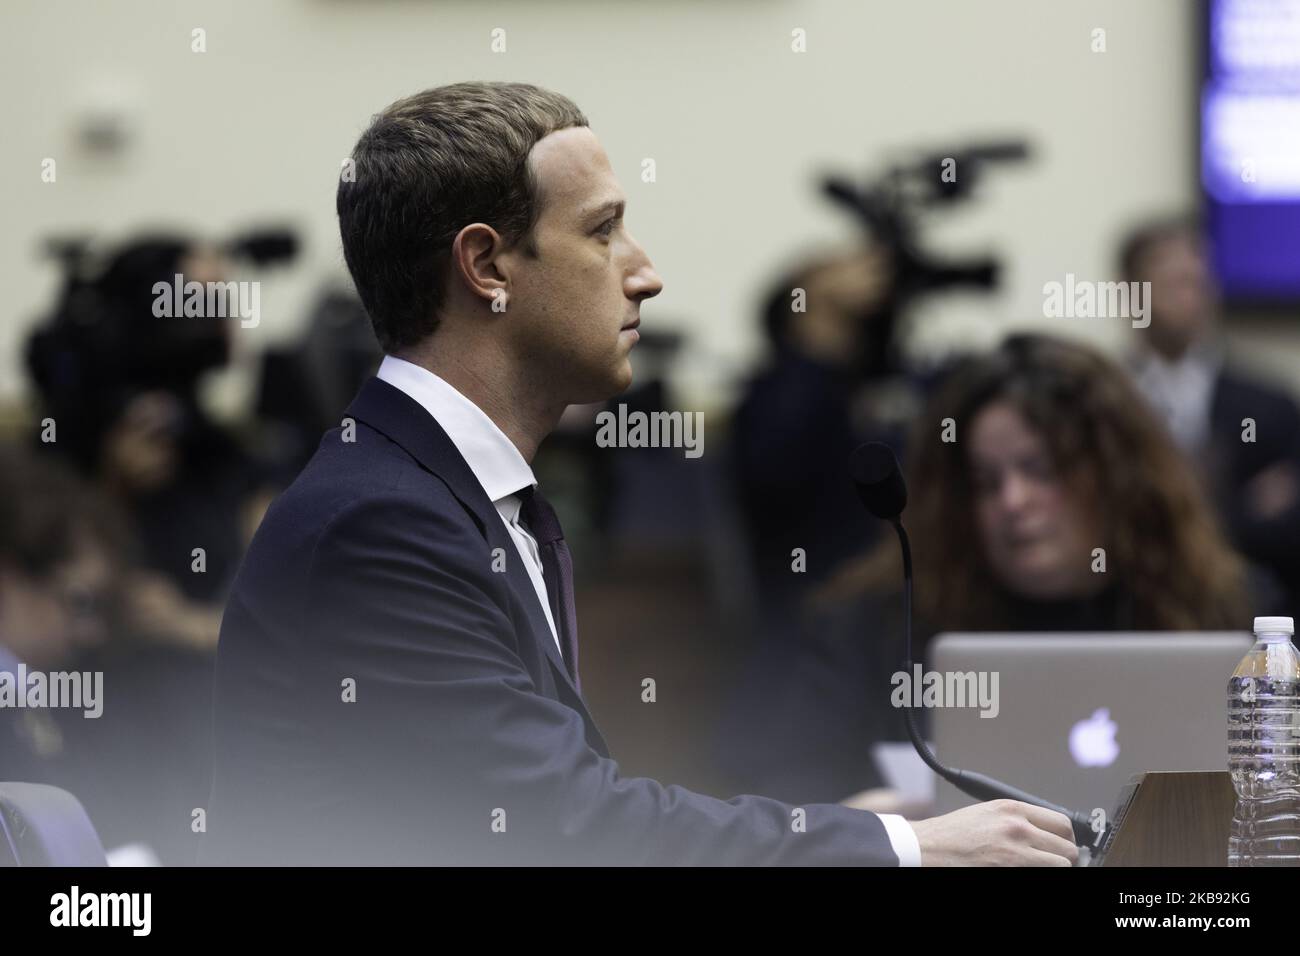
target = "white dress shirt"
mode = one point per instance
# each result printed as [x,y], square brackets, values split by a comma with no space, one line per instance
[1182,392]
[491,456]
[502,471]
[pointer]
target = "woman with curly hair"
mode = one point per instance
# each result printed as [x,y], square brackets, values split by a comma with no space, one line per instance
[1044,496]
[1062,504]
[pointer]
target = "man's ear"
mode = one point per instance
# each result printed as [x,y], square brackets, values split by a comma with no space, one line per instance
[474,254]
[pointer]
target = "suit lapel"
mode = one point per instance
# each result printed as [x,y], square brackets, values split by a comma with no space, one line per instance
[391,411]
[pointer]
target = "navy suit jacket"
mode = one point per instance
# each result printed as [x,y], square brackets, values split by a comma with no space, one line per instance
[385,696]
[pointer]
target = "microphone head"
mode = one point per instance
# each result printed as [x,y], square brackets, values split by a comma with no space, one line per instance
[875,473]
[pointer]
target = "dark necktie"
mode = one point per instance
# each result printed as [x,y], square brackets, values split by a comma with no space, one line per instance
[557,568]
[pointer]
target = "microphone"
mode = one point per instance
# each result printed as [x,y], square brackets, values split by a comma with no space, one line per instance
[883,492]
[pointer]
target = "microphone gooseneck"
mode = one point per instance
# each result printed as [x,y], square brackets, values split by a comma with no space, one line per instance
[883,492]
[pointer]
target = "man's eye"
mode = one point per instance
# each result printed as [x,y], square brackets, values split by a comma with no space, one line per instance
[607,227]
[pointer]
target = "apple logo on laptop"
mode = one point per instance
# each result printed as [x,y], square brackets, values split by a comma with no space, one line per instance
[1092,740]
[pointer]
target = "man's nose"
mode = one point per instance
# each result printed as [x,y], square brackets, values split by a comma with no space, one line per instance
[642,282]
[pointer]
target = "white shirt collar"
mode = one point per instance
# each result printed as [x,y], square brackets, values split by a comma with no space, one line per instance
[1182,391]
[1201,361]
[491,456]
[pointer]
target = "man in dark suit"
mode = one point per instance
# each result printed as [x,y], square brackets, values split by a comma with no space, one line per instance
[1242,434]
[398,666]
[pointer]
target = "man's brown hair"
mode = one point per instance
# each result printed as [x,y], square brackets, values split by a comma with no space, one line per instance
[1141,239]
[427,166]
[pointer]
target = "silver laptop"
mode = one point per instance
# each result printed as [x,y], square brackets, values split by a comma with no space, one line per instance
[1078,714]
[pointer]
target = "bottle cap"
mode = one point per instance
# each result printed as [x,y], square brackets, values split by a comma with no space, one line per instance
[1275,625]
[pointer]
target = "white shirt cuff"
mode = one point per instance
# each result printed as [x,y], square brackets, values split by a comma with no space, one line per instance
[902,838]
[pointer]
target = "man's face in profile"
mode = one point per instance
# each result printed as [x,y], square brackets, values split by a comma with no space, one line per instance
[581,296]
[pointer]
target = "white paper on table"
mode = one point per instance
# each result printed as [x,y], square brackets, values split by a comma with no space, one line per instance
[905,771]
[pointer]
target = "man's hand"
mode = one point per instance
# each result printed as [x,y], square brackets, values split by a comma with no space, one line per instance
[997,833]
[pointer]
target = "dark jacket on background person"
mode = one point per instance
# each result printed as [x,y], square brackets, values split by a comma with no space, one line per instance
[1272,542]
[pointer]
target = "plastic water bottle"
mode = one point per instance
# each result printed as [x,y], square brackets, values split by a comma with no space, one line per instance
[1265,832]
[1264,714]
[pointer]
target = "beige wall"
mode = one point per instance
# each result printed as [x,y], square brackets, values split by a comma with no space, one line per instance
[255,128]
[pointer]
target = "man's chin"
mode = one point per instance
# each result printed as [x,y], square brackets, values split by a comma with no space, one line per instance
[624,378]
[603,388]
[618,382]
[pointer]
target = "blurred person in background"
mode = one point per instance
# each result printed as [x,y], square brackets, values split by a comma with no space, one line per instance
[56,567]
[1179,364]
[1051,454]
[57,561]
[818,397]
[140,767]
[121,384]
[802,415]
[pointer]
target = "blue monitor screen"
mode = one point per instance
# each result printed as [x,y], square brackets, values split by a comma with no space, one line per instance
[1250,147]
